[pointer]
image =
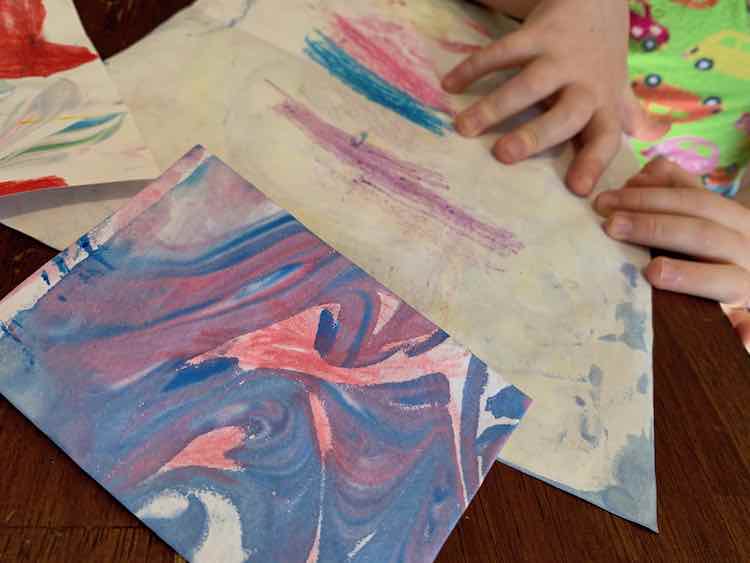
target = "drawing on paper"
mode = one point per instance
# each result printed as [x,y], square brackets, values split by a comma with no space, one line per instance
[233,380]
[385,173]
[387,63]
[61,122]
[23,49]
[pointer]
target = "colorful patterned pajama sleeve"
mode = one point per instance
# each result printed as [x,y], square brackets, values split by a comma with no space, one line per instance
[690,68]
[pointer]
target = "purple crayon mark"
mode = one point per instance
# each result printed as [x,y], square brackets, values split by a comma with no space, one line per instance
[394,177]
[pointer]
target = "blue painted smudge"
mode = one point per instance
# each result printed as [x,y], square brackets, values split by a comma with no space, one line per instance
[508,402]
[359,78]
[580,402]
[635,326]
[588,433]
[631,274]
[45,277]
[84,243]
[632,495]
[62,267]
[643,382]
[634,332]
[595,375]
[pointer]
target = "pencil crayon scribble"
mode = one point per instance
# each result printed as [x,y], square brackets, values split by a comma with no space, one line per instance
[412,184]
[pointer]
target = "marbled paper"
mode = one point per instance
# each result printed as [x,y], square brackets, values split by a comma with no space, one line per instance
[244,389]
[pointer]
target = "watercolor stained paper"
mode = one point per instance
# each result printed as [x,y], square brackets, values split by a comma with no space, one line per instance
[61,120]
[244,389]
[336,112]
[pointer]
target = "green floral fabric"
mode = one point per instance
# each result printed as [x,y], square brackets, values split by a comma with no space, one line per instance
[690,67]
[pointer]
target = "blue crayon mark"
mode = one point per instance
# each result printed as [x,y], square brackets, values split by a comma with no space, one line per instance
[62,298]
[191,375]
[45,277]
[508,402]
[362,80]
[92,122]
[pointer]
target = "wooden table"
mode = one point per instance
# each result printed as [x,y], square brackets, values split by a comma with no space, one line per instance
[50,511]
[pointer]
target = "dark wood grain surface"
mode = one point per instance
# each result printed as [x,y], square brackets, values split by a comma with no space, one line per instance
[50,511]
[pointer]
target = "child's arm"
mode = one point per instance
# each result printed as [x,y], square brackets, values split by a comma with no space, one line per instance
[573,53]
[664,207]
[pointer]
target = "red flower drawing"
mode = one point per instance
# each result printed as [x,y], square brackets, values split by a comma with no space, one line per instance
[24,51]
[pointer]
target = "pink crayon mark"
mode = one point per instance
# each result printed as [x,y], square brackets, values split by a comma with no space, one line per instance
[395,54]
[389,175]
[209,450]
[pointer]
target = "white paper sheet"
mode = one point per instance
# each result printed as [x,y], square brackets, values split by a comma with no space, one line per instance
[567,316]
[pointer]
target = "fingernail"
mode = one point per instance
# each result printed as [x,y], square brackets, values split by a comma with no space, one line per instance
[607,201]
[511,149]
[666,273]
[585,185]
[619,226]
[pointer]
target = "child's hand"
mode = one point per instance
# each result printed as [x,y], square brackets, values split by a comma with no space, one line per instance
[574,54]
[665,207]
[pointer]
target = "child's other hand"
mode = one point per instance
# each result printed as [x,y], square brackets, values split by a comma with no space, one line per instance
[572,53]
[665,207]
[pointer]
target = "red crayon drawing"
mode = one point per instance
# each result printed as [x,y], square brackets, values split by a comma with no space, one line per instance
[16,187]
[24,51]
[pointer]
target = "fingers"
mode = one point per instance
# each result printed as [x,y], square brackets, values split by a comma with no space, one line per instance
[687,235]
[512,50]
[688,202]
[663,173]
[725,283]
[740,319]
[600,142]
[564,120]
[536,82]
[638,123]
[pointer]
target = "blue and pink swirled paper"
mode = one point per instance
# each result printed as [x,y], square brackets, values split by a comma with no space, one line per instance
[245,390]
